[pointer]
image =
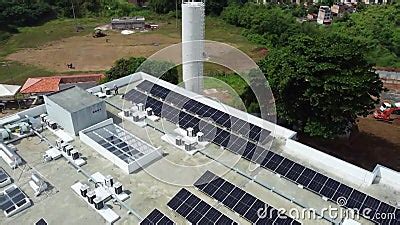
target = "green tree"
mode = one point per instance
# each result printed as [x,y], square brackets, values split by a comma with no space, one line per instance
[26,13]
[321,85]
[162,6]
[164,70]
[124,67]
[215,7]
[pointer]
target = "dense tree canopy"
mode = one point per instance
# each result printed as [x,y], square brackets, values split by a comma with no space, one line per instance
[268,25]
[23,13]
[124,67]
[162,6]
[379,27]
[321,85]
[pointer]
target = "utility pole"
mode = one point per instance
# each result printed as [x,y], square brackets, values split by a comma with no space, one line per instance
[176,13]
[73,13]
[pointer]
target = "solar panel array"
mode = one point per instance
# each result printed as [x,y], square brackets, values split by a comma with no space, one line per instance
[3,175]
[195,210]
[222,119]
[156,218]
[11,199]
[122,144]
[248,149]
[245,204]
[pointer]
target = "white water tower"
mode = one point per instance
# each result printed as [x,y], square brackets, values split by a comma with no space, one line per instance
[193,20]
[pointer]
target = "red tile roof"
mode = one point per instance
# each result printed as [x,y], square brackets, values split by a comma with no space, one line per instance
[52,84]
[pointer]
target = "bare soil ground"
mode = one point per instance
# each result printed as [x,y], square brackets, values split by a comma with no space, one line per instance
[376,142]
[92,54]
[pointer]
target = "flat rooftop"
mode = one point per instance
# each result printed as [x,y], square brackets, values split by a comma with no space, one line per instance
[153,186]
[73,98]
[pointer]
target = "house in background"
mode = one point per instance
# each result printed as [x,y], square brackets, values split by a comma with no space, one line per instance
[128,23]
[8,92]
[324,15]
[43,85]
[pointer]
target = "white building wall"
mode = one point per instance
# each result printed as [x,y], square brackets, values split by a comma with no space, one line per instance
[104,152]
[325,162]
[127,168]
[384,175]
[59,115]
[89,116]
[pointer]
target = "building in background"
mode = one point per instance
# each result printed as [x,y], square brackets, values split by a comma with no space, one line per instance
[128,23]
[339,9]
[45,85]
[324,15]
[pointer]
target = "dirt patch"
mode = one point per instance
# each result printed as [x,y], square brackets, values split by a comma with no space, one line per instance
[376,143]
[92,54]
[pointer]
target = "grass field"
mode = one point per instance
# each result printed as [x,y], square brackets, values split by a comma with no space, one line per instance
[13,72]
[44,50]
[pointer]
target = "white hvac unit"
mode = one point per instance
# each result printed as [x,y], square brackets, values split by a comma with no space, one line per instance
[127,112]
[91,195]
[189,132]
[190,145]
[200,136]
[74,154]
[140,107]
[179,141]
[38,184]
[9,156]
[109,181]
[118,188]
[98,203]
[149,111]
[84,190]
[4,134]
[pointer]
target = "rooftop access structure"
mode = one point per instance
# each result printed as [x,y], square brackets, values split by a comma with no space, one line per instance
[75,109]
[193,14]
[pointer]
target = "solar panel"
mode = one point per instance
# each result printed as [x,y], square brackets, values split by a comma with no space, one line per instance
[195,210]
[330,187]
[243,145]
[239,201]
[11,199]
[3,176]
[156,217]
[221,118]
[120,142]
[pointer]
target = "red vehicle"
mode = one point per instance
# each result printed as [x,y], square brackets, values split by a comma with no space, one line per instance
[386,110]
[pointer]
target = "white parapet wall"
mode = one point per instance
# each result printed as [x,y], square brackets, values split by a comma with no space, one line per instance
[128,168]
[325,162]
[387,176]
[33,112]
[118,82]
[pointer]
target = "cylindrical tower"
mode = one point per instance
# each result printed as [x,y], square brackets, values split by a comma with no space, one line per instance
[193,20]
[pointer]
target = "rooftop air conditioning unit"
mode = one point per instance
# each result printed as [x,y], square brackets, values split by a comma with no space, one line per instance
[127,112]
[118,188]
[200,137]
[84,190]
[149,111]
[91,195]
[109,181]
[189,132]
[98,203]
[178,141]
